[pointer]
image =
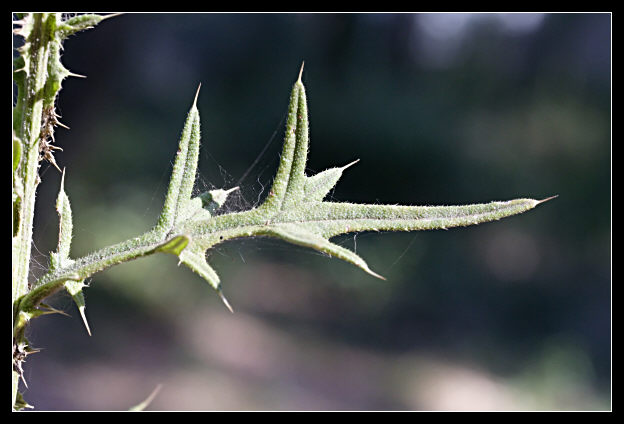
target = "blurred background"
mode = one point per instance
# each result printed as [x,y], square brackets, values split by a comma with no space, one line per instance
[440,109]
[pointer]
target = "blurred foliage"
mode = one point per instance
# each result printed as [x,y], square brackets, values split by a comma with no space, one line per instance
[440,109]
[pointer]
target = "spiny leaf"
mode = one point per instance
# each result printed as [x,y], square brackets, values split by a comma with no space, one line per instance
[289,178]
[294,210]
[75,290]
[63,208]
[295,234]
[195,258]
[331,219]
[81,22]
[60,258]
[183,174]
[317,186]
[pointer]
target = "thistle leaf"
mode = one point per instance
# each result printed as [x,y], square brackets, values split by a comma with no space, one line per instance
[81,23]
[296,234]
[183,174]
[317,186]
[294,210]
[63,208]
[75,290]
[289,181]
[195,259]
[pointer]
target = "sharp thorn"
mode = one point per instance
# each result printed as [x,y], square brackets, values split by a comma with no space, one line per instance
[53,162]
[546,199]
[30,351]
[374,274]
[23,379]
[300,71]
[227,304]
[84,319]
[60,124]
[71,74]
[196,95]
[112,15]
[349,164]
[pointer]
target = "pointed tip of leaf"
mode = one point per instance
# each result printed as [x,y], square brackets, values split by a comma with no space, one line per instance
[301,71]
[350,164]
[196,95]
[537,202]
[224,300]
[112,15]
[374,274]
[71,74]
[75,290]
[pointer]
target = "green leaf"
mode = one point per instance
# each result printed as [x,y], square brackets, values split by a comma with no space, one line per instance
[293,211]
[317,186]
[297,234]
[63,208]
[183,174]
[290,179]
[195,258]
[81,23]
[75,290]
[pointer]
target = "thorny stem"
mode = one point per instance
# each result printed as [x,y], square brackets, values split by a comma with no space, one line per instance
[38,74]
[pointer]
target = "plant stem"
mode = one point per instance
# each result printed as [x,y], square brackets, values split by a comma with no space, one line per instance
[30,108]
[27,124]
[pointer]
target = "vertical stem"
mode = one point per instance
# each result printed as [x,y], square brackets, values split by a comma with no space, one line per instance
[29,108]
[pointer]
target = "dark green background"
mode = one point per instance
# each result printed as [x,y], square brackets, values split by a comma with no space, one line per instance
[440,109]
